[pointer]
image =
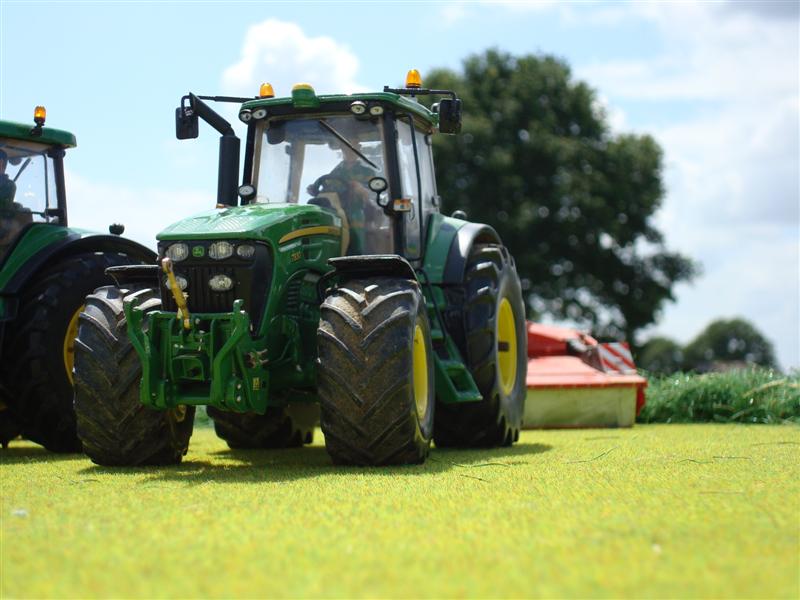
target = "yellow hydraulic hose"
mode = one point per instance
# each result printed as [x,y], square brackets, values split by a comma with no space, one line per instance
[180,299]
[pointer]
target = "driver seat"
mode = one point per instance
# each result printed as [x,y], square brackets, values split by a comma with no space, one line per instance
[332,202]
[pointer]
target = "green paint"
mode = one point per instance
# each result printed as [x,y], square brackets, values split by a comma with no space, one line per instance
[216,361]
[198,251]
[304,97]
[441,233]
[36,238]
[20,131]
[253,221]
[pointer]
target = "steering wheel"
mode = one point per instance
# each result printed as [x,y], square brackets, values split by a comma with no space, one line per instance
[330,183]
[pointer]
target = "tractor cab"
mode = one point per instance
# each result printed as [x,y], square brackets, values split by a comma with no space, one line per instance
[31,177]
[365,157]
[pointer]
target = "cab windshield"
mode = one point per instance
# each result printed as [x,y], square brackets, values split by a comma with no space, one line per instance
[327,161]
[27,188]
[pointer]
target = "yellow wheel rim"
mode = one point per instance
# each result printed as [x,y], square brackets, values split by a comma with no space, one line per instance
[506,346]
[420,373]
[69,343]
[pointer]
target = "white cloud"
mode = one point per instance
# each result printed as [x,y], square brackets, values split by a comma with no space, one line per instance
[452,13]
[282,54]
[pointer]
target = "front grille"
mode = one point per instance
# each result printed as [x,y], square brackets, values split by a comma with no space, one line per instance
[251,277]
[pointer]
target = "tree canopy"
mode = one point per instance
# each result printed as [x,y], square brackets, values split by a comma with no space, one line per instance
[573,201]
[661,356]
[728,341]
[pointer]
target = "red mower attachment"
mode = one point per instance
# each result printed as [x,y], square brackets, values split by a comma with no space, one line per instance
[575,381]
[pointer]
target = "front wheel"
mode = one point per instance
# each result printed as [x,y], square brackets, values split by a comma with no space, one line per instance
[114,426]
[376,380]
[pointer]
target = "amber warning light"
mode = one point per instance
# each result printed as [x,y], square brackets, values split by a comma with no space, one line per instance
[413,79]
[39,115]
[266,91]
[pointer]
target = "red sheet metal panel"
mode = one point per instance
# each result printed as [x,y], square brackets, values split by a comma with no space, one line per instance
[565,366]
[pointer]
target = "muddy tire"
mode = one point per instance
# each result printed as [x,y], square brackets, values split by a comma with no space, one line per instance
[115,428]
[492,339]
[38,348]
[285,427]
[376,379]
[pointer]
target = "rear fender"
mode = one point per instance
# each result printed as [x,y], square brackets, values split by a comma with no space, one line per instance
[449,243]
[73,243]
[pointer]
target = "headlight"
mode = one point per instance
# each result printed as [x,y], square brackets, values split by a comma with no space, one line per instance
[181,281]
[358,107]
[220,283]
[220,250]
[376,110]
[259,113]
[245,250]
[178,252]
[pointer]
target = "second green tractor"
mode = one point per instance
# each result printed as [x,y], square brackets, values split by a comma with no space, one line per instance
[325,287]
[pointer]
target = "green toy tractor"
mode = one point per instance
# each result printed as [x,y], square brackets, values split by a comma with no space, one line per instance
[46,271]
[326,288]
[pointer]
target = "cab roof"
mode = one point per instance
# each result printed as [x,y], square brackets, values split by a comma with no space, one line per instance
[401,102]
[21,131]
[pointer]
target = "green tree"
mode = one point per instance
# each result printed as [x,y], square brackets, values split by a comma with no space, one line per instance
[724,341]
[660,355]
[573,202]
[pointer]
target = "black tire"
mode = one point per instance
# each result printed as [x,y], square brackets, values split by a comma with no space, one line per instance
[10,427]
[34,371]
[366,341]
[285,427]
[490,280]
[115,428]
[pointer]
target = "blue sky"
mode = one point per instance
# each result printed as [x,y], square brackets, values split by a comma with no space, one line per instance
[715,83]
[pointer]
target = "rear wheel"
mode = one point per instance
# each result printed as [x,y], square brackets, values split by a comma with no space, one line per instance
[285,427]
[39,348]
[376,382]
[491,337]
[114,426]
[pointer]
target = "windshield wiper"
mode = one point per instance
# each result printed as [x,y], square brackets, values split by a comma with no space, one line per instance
[344,140]
[22,168]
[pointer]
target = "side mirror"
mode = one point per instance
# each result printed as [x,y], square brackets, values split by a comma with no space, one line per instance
[187,125]
[450,115]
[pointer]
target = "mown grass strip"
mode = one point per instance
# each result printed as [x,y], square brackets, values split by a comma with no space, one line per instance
[653,511]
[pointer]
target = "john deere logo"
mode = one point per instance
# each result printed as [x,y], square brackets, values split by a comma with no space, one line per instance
[198,251]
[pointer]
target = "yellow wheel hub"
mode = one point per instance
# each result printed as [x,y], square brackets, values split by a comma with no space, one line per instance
[420,373]
[69,342]
[506,346]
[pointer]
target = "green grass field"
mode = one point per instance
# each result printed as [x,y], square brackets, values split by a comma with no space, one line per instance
[653,511]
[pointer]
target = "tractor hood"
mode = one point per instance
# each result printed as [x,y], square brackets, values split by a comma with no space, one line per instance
[254,221]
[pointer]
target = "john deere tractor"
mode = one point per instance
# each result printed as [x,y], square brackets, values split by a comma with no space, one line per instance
[46,271]
[326,286]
